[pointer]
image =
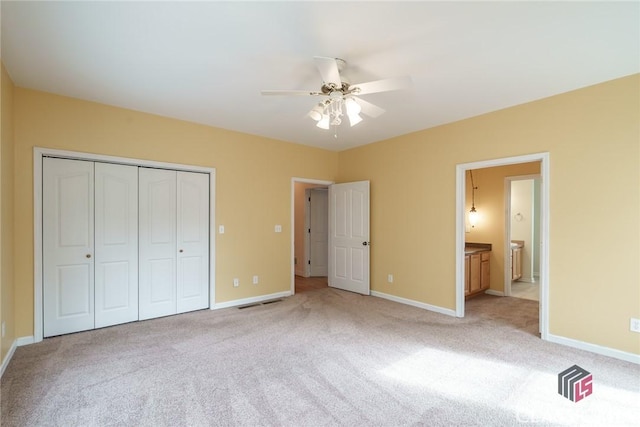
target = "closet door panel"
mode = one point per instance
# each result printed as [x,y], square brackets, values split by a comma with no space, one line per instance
[68,244]
[157,240]
[116,242]
[193,241]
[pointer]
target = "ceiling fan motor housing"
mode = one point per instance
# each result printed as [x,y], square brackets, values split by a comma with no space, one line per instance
[329,88]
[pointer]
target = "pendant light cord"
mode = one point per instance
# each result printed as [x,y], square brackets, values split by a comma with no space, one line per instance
[473,191]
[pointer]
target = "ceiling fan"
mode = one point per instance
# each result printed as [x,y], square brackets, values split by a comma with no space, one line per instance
[339,95]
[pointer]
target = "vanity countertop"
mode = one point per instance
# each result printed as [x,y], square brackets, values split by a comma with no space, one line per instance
[472,248]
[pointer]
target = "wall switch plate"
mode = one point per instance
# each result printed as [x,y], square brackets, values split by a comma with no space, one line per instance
[278,228]
[634,325]
[390,278]
[255,280]
[236,283]
[221,229]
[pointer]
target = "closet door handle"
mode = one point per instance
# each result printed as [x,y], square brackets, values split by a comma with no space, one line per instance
[88,255]
[181,251]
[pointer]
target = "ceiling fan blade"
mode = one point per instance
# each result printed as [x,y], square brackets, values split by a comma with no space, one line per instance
[369,109]
[290,92]
[329,71]
[394,83]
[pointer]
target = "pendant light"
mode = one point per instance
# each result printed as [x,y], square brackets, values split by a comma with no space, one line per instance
[473,214]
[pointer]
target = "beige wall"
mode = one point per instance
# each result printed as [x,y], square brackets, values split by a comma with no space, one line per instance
[6,212]
[253,184]
[592,136]
[490,205]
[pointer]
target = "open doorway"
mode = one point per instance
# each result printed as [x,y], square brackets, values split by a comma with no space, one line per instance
[309,218]
[522,228]
[501,246]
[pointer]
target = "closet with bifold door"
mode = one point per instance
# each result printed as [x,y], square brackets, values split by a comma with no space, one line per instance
[174,242]
[121,243]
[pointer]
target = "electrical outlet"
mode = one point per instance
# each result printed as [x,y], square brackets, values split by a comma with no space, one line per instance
[634,325]
[390,278]
[278,228]
[236,283]
[255,280]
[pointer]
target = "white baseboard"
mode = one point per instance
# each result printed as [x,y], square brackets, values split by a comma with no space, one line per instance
[492,292]
[413,303]
[595,348]
[7,358]
[25,341]
[251,300]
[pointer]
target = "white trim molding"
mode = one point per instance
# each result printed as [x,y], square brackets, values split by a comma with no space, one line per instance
[19,342]
[25,341]
[8,356]
[250,300]
[38,154]
[595,348]
[494,293]
[413,303]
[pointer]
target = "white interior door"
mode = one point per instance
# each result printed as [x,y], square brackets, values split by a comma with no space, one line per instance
[68,267]
[349,236]
[319,229]
[116,244]
[157,240]
[193,241]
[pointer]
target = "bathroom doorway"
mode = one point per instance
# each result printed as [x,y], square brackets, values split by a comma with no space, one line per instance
[461,226]
[522,228]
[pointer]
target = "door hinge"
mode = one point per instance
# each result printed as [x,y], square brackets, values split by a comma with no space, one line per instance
[309,231]
[309,262]
[309,198]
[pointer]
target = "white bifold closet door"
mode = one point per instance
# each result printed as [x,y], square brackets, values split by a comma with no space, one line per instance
[174,242]
[116,244]
[89,245]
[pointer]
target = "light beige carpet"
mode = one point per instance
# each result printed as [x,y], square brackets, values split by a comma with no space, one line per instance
[323,357]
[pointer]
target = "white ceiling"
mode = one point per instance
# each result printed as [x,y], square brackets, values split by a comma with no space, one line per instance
[207,62]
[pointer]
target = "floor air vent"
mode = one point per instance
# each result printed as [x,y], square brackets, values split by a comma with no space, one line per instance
[258,303]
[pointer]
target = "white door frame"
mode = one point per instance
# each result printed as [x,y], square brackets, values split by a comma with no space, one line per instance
[507,228]
[294,180]
[39,153]
[461,170]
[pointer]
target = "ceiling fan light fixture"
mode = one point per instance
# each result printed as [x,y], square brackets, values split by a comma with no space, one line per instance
[338,95]
[353,108]
[317,112]
[323,123]
[354,119]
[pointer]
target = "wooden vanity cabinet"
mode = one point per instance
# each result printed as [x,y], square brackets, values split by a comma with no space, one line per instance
[516,263]
[476,272]
[484,270]
[467,261]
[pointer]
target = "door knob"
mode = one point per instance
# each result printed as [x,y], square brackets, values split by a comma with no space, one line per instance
[366,243]
[181,251]
[88,255]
